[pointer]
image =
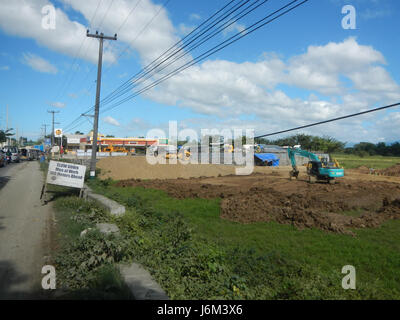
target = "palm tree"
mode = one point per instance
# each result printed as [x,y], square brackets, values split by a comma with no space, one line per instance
[5,134]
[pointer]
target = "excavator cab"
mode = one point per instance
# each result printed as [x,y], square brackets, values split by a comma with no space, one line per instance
[314,167]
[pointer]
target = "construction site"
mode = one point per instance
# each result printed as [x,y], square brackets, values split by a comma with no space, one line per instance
[195,150]
[268,194]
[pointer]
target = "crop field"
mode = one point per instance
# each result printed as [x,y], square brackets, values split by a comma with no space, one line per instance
[376,162]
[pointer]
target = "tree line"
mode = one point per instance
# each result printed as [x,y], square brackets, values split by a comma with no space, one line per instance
[366,148]
[330,145]
[307,142]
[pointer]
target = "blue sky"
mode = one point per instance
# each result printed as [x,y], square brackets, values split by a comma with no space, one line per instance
[301,68]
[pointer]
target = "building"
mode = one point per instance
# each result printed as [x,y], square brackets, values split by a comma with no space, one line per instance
[110,144]
[75,142]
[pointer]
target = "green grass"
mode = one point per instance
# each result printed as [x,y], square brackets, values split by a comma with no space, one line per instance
[376,162]
[195,254]
[86,266]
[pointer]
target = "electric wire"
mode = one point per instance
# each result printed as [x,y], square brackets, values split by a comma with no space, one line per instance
[330,120]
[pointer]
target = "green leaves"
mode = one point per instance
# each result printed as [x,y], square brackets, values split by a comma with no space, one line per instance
[4,134]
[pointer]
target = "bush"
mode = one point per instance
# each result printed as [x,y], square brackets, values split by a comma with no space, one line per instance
[78,260]
[362,153]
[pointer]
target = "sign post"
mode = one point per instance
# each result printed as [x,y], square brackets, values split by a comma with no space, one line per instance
[64,174]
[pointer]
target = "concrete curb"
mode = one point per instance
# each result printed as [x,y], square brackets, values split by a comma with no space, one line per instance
[138,280]
[141,283]
[114,207]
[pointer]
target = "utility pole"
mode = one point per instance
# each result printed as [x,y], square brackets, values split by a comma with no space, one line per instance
[44,127]
[101,37]
[52,133]
[8,142]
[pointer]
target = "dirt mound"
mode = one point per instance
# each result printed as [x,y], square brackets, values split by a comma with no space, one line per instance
[393,171]
[305,213]
[136,167]
[261,197]
[119,168]
[363,169]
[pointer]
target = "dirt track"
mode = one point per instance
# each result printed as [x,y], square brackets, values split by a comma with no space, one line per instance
[359,200]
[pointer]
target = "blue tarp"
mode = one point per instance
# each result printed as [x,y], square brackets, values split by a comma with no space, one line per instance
[269,159]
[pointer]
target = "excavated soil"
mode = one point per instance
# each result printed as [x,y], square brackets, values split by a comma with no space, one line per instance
[393,171]
[351,203]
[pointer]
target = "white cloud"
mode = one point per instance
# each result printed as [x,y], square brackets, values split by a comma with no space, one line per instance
[111,120]
[58,104]
[320,67]
[4,68]
[238,27]
[194,16]
[154,38]
[23,18]
[369,14]
[184,29]
[340,78]
[37,63]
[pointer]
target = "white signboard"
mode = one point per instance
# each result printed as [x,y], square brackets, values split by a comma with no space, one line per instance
[74,140]
[55,149]
[66,174]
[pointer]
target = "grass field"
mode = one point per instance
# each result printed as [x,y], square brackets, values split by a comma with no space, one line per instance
[376,162]
[194,254]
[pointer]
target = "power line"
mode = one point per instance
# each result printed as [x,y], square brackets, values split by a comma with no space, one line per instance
[330,120]
[262,22]
[69,79]
[137,36]
[130,12]
[129,84]
[143,29]
[215,49]
[105,15]
[90,109]
[220,29]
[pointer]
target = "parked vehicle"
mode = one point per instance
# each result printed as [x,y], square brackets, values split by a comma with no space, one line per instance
[3,159]
[35,154]
[13,153]
[8,156]
[24,154]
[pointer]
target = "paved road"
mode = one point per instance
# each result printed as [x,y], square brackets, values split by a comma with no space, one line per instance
[24,231]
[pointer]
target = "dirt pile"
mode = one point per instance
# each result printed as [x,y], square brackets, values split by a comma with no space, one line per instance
[263,197]
[137,167]
[305,213]
[393,171]
[363,169]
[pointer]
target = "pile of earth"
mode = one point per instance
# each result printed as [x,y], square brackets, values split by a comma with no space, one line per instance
[263,198]
[306,212]
[393,171]
[363,169]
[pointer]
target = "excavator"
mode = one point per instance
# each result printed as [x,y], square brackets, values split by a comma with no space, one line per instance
[316,169]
